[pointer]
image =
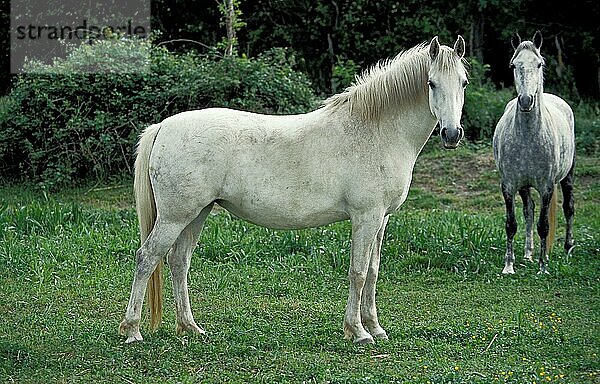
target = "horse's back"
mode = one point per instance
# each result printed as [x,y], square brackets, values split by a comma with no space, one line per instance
[224,122]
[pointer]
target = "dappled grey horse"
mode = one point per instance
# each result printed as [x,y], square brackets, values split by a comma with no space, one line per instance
[534,147]
[351,159]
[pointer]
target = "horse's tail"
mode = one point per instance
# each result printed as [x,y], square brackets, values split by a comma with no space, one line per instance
[552,221]
[146,211]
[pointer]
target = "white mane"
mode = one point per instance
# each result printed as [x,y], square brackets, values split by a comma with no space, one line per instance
[400,81]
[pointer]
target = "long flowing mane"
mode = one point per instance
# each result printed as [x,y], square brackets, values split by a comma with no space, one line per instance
[401,81]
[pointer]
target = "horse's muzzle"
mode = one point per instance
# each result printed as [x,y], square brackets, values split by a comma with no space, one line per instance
[526,102]
[452,136]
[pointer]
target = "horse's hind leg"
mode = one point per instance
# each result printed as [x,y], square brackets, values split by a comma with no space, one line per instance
[511,230]
[528,213]
[179,263]
[368,307]
[566,185]
[148,256]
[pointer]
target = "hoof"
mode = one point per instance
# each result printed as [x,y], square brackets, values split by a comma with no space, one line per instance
[134,338]
[375,329]
[361,336]
[191,328]
[364,340]
[569,249]
[543,272]
[508,270]
[132,331]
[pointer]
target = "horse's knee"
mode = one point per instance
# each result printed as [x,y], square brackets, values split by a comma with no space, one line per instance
[357,277]
[511,227]
[543,228]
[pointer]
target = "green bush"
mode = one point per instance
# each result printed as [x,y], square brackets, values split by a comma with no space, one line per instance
[61,123]
[484,104]
[587,128]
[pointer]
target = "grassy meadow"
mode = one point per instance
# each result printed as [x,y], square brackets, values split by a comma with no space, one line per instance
[272,302]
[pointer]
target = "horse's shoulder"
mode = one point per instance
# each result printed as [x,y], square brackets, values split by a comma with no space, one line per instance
[557,102]
[554,98]
[508,115]
[557,107]
[510,108]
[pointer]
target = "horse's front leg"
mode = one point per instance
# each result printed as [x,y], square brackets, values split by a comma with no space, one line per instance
[368,307]
[528,213]
[365,227]
[511,230]
[543,227]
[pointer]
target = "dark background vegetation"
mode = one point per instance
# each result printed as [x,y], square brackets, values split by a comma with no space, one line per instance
[326,33]
[61,127]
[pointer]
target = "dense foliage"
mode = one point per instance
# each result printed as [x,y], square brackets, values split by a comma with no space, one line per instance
[329,33]
[62,123]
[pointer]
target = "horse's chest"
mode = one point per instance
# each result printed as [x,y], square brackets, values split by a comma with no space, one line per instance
[526,161]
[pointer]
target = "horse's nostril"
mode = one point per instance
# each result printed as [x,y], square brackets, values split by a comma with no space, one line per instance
[444,134]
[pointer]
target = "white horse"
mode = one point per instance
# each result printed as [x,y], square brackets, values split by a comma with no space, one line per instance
[534,147]
[351,159]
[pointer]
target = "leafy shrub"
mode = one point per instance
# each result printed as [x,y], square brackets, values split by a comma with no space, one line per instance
[587,128]
[484,104]
[344,74]
[62,123]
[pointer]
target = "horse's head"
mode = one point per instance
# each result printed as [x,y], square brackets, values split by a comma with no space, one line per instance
[447,82]
[527,64]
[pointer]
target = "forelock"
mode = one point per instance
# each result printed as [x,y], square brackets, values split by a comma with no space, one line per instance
[447,61]
[527,46]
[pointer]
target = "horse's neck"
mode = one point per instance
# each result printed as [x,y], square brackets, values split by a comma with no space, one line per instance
[408,129]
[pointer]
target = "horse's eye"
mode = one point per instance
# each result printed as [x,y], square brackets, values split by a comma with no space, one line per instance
[540,65]
[465,83]
[431,84]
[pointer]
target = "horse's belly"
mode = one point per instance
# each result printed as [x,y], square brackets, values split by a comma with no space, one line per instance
[284,214]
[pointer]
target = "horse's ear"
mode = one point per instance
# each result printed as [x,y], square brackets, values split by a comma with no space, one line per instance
[537,39]
[434,48]
[515,40]
[459,47]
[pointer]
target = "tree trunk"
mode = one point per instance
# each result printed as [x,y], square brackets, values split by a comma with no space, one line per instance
[476,39]
[229,21]
[330,46]
[560,67]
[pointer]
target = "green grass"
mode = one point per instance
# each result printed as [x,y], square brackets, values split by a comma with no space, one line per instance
[272,302]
